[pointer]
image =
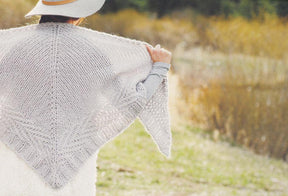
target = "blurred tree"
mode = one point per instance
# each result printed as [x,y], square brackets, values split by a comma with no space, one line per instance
[282,8]
[250,9]
[209,7]
[267,6]
[116,5]
[228,7]
[163,7]
[246,8]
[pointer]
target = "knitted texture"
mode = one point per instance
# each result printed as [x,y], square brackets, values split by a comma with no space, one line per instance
[68,90]
[18,179]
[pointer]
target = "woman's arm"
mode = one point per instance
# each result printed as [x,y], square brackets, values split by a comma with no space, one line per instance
[162,63]
[154,79]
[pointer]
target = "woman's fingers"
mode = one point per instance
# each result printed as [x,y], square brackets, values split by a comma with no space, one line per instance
[150,50]
[158,47]
[168,52]
[159,54]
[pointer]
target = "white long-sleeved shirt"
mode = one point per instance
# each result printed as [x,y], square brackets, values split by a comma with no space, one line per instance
[153,80]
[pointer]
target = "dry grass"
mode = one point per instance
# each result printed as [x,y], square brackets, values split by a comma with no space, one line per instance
[12,13]
[257,37]
[130,23]
[242,97]
[265,37]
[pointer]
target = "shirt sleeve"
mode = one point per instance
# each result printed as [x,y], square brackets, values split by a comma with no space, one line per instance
[148,86]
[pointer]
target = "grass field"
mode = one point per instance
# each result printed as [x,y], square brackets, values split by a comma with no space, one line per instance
[131,165]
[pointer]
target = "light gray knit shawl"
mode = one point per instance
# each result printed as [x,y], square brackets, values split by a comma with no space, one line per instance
[66,90]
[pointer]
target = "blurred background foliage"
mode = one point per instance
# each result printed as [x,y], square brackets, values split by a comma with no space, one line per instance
[245,8]
[230,57]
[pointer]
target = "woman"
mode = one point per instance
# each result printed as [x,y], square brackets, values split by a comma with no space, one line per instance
[51,65]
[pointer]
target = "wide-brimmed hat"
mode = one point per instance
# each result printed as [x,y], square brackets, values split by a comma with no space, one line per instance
[70,8]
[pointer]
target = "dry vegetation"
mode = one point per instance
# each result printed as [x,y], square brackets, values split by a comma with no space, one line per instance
[130,23]
[244,98]
[12,13]
[235,83]
[261,37]
[233,72]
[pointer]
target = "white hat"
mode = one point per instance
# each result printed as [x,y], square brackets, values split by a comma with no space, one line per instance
[70,8]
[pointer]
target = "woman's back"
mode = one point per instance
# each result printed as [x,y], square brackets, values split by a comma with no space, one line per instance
[33,98]
[59,104]
[18,179]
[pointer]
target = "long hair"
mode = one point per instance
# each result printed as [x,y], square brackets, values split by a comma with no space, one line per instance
[55,18]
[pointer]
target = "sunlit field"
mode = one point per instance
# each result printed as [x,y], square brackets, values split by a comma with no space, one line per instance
[228,93]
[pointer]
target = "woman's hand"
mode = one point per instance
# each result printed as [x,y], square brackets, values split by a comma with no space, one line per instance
[159,54]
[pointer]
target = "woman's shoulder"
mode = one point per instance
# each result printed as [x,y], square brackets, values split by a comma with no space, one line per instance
[113,38]
[84,31]
[19,28]
[118,48]
[13,35]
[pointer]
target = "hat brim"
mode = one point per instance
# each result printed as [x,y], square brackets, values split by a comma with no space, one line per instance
[76,9]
